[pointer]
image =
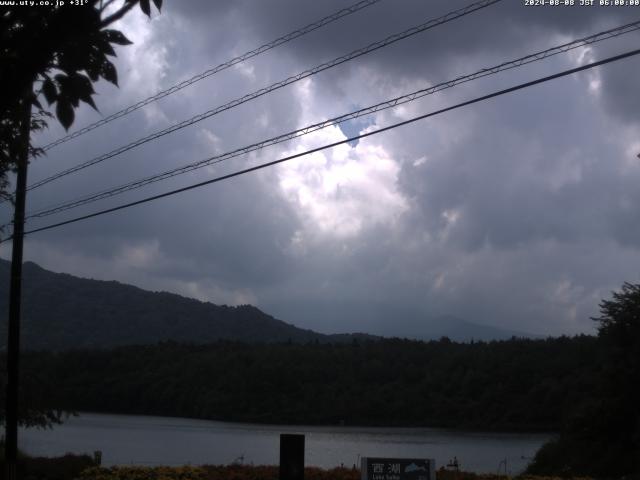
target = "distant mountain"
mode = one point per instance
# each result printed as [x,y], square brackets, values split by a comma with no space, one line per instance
[460,330]
[398,321]
[60,311]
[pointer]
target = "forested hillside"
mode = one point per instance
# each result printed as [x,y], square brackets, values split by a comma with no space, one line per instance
[509,385]
[61,311]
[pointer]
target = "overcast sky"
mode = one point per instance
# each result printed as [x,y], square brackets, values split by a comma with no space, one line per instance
[521,212]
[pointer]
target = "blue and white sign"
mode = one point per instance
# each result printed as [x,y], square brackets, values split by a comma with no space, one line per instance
[397,469]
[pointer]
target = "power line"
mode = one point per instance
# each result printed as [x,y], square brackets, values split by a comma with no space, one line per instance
[534,57]
[341,142]
[263,91]
[212,71]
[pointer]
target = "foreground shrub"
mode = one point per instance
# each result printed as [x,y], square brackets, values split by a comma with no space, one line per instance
[211,472]
[67,467]
[261,472]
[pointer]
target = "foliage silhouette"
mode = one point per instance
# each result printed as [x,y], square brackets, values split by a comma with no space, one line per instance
[54,53]
[602,437]
[62,312]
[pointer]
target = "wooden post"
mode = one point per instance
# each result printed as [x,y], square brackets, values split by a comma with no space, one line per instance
[15,293]
[291,457]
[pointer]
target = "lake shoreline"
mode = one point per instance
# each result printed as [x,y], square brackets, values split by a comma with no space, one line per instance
[150,440]
[443,427]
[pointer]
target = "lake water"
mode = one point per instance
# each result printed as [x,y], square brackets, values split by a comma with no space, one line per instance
[144,440]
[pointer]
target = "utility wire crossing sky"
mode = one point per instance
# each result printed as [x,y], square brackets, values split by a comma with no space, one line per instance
[453,15]
[534,57]
[342,142]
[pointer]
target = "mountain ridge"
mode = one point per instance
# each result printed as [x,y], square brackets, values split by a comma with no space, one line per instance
[61,311]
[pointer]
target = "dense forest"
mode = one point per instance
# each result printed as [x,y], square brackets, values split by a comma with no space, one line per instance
[506,385]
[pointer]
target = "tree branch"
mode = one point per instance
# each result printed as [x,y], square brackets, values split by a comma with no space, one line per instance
[119,14]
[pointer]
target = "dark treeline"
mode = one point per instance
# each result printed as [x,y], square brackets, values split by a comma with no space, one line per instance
[508,385]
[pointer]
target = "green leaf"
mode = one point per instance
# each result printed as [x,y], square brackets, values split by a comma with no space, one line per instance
[106,48]
[109,73]
[89,100]
[64,112]
[117,37]
[158,4]
[83,89]
[49,90]
[93,67]
[146,7]
[81,85]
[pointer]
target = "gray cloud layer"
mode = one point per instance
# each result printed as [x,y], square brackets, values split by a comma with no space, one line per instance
[520,212]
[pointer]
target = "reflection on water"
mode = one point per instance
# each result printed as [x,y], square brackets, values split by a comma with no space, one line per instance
[142,440]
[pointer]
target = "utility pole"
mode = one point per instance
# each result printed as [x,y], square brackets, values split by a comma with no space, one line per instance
[15,291]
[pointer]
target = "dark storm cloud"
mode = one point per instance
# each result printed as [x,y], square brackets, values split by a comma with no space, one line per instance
[216,233]
[512,188]
[493,34]
[501,28]
[620,86]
